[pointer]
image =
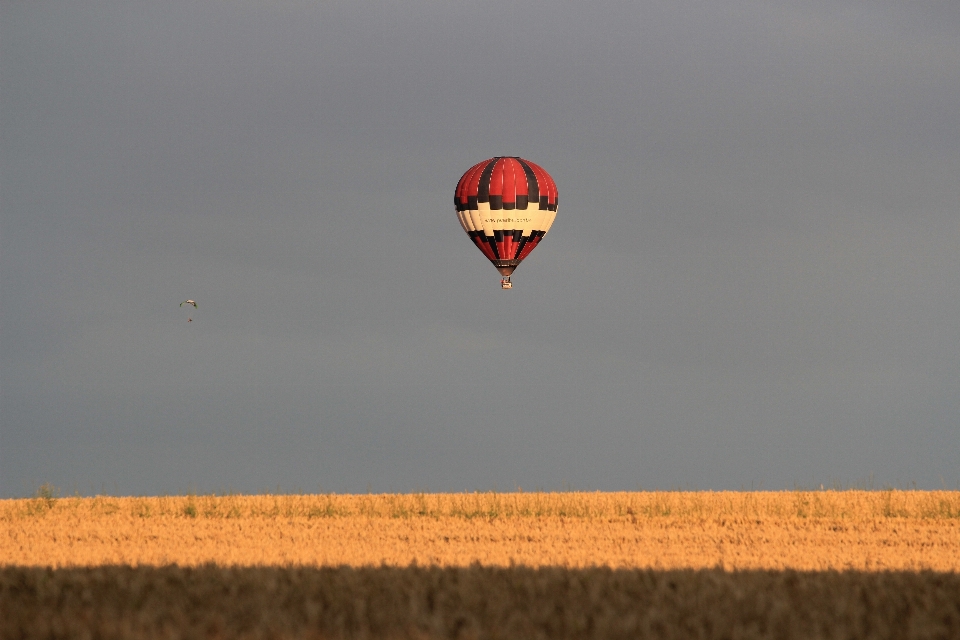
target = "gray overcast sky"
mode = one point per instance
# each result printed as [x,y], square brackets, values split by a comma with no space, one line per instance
[753,279]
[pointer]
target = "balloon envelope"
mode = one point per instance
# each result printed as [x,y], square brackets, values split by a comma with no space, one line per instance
[506,205]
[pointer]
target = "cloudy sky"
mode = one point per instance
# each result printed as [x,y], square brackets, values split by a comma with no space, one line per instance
[753,280]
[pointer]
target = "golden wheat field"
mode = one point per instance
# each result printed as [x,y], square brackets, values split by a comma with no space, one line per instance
[643,564]
[819,530]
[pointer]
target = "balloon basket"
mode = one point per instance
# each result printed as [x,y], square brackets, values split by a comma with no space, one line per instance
[505,283]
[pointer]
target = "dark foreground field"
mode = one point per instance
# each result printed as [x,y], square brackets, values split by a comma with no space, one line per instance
[473,602]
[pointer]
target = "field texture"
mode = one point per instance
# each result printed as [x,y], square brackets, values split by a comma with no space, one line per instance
[476,602]
[823,564]
[823,530]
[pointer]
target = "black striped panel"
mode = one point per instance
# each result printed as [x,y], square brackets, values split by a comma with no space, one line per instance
[533,188]
[483,189]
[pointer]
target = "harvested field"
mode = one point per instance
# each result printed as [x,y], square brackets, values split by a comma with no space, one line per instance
[828,564]
[822,530]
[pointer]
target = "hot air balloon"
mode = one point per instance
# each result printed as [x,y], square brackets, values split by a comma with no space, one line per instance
[506,205]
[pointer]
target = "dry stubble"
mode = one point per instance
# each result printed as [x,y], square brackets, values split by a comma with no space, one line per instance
[627,565]
[888,530]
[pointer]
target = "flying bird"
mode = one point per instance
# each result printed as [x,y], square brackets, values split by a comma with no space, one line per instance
[189,303]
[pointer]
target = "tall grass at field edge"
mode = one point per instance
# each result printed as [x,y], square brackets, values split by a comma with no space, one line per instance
[849,504]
